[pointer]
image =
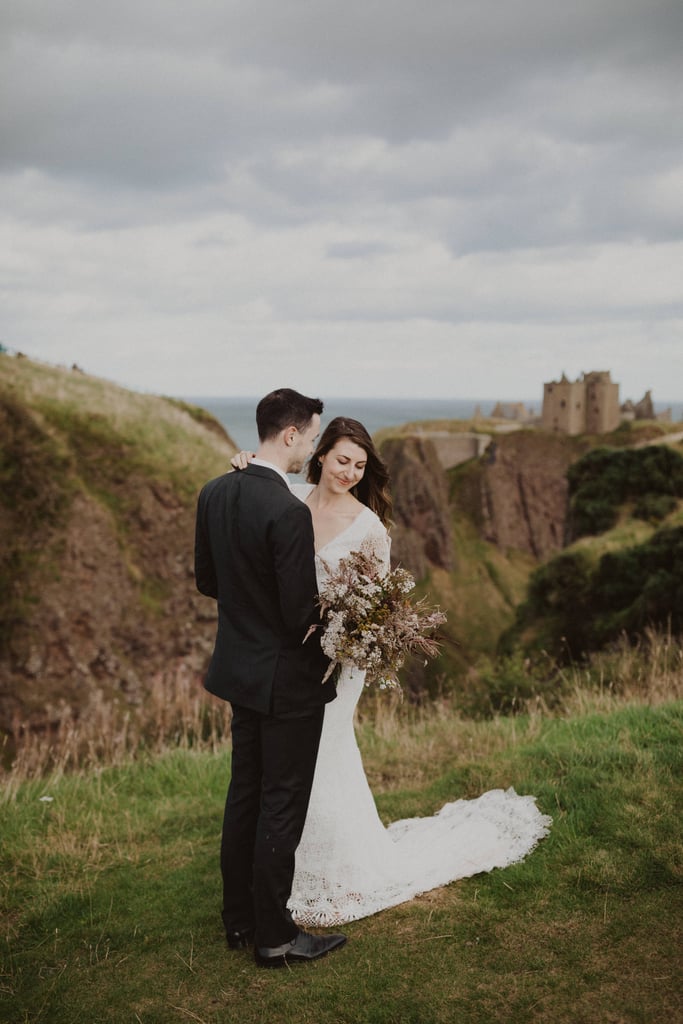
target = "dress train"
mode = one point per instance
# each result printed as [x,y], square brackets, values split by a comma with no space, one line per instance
[348,865]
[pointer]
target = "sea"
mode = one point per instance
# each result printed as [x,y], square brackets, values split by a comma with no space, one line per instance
[237,415]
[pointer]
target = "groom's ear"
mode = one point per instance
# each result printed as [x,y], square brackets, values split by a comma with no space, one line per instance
[290,434]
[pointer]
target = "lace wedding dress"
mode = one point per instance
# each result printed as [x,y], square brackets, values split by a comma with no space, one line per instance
[348,865]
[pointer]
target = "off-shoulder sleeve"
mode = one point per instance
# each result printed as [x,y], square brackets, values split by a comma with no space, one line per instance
[377,540]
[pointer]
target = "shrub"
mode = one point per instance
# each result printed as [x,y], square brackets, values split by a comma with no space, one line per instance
[605,478]
[574,606]
[641,587]
[654,507]
[592,516]
[512,684]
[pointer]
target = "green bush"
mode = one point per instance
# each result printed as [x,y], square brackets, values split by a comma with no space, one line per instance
[574,606]
[641,586]
[603,479]
[559,596]
[591,516]
[654,507]
[511,684]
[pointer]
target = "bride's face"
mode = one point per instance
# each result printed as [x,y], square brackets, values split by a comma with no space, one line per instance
[343,466]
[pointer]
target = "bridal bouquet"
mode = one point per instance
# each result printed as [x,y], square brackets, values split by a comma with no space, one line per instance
[370,620]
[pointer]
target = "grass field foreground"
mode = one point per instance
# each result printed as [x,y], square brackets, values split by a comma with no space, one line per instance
[110,888]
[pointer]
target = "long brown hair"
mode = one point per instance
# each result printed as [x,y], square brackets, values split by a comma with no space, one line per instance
[373,489]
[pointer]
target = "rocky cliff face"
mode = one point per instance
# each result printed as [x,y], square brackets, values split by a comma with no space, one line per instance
[524,493]
[96,540]
[421,535]
[517,495]
[474,533]
[107,615]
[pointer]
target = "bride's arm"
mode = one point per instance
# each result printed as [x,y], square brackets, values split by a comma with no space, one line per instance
[379,542]
[242,459]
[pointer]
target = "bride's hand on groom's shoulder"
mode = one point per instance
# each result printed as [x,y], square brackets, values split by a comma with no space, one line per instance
[242,459]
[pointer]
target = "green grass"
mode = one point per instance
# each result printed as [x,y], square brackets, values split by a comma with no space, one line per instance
[110,892]
[110,432]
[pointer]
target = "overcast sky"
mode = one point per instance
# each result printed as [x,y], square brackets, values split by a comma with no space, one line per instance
[376,197]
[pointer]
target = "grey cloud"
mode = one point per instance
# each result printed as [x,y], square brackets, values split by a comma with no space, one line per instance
[379,145]
[356,250]
[172,91]
[139,116]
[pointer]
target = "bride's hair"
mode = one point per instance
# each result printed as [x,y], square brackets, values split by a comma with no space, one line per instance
[373,489]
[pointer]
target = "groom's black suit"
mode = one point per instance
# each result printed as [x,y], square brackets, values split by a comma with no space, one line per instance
[254,553]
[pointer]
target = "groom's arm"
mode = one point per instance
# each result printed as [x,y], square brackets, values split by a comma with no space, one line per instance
[204,569]
[294,562]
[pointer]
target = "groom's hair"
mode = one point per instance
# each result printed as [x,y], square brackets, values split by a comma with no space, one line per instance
[284,408]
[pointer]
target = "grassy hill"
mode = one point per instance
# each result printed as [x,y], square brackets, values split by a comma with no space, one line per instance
[97,492]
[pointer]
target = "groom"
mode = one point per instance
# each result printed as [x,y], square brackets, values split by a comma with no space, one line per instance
[254,554]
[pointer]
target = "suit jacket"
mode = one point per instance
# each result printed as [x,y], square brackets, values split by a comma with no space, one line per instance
[254,553]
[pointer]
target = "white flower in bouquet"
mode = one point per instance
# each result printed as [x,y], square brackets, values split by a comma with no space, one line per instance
[370,620]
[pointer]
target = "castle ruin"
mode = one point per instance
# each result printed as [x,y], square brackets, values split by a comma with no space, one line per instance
[512,411]
[589,405]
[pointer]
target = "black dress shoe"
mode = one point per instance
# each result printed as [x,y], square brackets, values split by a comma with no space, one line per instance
[301,950]
[240,940]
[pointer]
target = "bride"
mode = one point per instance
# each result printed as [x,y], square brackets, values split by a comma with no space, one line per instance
[348,865]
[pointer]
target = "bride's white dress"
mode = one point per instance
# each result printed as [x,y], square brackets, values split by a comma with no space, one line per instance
[348,865]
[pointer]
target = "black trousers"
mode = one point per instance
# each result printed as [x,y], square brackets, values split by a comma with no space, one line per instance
[273,761]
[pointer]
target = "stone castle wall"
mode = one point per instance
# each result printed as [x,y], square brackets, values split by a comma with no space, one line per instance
[587,405]
[564,407]
[452,449]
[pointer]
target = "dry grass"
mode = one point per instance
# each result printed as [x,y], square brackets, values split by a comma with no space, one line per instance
[402,745]
[647,672]
[176,713]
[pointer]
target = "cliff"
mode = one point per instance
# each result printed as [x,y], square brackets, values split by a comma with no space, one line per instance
[516,493]
[473,534]
[98,487]
[421,534]
[524,491]
[97,504]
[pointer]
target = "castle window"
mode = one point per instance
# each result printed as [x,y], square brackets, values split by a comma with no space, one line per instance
[562,404]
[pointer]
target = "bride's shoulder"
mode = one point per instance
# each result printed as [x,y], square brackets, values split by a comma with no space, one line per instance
[372,524]
[301,491]
[375,537]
